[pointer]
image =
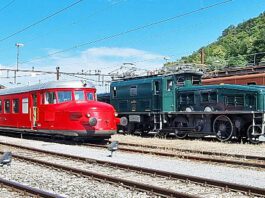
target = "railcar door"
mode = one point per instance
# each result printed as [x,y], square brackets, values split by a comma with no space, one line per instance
[156,95]
[168,94]
[34,110]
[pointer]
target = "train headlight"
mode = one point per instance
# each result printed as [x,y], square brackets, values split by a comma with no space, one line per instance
[93,121]
[88,115]
[116,114]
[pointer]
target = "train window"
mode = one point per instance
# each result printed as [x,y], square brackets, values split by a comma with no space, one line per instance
[64,96]
[239,100]
[15,105]
[251,100]
[196,80]
[114,92]
[213,96]
[0,105]
[25,105]
[157,87]
[205,97]
[251,83]
[90,96]
[50,98]
[7,106]
[79,95]
[169,85]
[180,80]
[187,99]
[230,100]
[133,91]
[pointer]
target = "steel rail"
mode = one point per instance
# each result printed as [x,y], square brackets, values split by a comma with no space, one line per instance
[29,190]
[204,181]
[123,182]
[189,157]
[251,157]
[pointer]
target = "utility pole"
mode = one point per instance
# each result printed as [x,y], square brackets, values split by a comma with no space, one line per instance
[202,55]
[57,73]
[18,45]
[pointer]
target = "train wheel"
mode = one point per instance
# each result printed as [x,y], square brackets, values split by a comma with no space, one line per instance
[223,128]
[254,133]
[180,122]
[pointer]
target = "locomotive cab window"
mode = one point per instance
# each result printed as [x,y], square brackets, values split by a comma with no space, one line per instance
[157,87]
[64,96]
[180,80]
[7,106]
[169,85]
[15,105]
[79,95]
[114,92]
[196,80]
[50,98]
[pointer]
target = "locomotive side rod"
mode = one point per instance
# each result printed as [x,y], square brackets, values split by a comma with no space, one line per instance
[204,181]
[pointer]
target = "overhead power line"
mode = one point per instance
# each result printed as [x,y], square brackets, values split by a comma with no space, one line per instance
[40,21]
[131,30]
[5,6]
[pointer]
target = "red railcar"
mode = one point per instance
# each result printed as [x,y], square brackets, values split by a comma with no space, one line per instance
[67,108]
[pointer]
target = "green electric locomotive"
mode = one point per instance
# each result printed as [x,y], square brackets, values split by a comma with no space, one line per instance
[177,104]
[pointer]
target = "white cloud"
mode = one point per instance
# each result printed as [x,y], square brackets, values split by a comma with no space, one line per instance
[105,59]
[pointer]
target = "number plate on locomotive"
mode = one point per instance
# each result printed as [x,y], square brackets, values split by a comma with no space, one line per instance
[134,118]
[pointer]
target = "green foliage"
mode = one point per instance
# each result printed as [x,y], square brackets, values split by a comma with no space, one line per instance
[235,48]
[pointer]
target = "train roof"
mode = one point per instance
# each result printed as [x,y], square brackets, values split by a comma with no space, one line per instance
[225,86]
[48,85]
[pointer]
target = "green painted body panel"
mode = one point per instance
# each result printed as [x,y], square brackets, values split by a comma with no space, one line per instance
[136,95]
[228,97]
[168,94]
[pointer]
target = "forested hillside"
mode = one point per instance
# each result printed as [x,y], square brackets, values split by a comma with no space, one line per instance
[238,46]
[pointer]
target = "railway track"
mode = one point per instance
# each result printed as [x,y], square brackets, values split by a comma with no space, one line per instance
[211,157]
[215,185]
[26,190]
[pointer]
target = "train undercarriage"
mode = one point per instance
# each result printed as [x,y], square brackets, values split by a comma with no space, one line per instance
[225,126]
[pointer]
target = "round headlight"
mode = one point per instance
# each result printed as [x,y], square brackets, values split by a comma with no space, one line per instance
[116,114]
[88,115]
[93,121]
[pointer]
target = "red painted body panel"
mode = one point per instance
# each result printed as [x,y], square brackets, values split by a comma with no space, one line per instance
[69,118]
[258,79]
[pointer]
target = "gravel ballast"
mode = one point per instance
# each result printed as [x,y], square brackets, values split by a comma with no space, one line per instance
[63,183]
[218,172]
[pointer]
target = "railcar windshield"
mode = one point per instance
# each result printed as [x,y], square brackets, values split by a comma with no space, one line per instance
[79,95]
[90,96]
[64,96]
[50,98]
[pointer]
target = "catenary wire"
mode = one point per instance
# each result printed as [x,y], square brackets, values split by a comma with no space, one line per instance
[7,5]
[40,21]
[130,30]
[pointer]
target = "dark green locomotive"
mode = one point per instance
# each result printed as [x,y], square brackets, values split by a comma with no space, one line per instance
[179,105]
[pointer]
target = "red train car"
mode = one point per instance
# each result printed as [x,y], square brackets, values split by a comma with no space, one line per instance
[253,75]
[246,79]
[67,108]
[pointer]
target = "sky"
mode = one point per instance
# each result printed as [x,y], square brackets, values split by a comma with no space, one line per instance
[93,23]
